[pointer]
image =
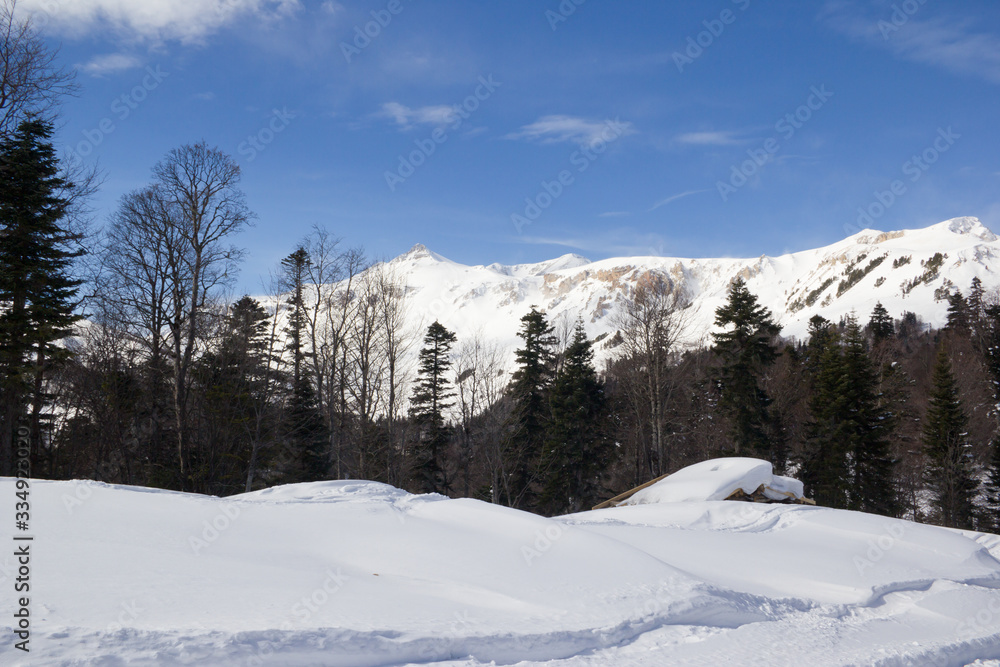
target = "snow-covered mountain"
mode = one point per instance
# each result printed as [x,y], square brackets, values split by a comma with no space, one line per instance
[911,270]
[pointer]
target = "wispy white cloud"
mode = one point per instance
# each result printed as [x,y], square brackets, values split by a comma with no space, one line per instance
[153,20]
[673,198]
[617,243]
[708,139]
[207,96]
[950,44]
[559,129]
[615,214]
[109,64]
[406,118]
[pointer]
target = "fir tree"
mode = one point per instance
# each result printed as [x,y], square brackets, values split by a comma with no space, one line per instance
[991,517]
[747,351]
[824,470]
[529,390]
[958,314]
[848,463]
[880,325]
[867,427]
[37,293]
[431,398]
[949,474]
[577,446]
[306,432]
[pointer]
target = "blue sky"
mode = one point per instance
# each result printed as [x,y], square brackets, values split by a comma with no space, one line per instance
[520,130]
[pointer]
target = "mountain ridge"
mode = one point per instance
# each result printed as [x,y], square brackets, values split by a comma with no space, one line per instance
[907,270]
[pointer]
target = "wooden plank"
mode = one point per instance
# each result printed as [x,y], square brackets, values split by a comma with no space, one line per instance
[628,494]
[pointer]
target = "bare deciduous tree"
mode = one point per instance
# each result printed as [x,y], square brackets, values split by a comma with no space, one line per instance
[651,325]
[167,258]
[30,80]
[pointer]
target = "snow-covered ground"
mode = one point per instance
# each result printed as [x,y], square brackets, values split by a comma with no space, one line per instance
[359,573]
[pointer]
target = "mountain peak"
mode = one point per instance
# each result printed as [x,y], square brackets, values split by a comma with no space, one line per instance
[420,251]
[967,226]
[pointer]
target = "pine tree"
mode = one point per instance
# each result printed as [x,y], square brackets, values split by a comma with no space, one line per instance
[431,398]
[37,293]
[867,425]
[848,462]
[881,326]
[991,517]
[958,314]
[747,351]
[236,380]
[577,446]
[949,474]
[296,267]
[529,390]
[306,432]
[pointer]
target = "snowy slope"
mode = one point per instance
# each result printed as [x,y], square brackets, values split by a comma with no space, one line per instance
[491,299]
[359,573]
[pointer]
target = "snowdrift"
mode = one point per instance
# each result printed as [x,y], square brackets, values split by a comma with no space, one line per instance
[719,479]
[362,574]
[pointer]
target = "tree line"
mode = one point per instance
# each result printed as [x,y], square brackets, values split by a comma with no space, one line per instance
[127,359]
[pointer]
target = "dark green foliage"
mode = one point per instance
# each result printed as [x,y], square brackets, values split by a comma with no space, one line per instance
[236,381]
[958,314]
[848,463]
[949,474]
[296,267]
[37,292]
[577,447]
[432,395]
[529,390]
[881,326]
[307,434]
[991,512]
[746,350]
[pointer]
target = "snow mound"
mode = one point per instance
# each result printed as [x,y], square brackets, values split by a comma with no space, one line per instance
[717,479]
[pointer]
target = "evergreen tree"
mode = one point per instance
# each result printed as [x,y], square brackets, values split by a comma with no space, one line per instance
[529,391]
[848,462]
[236,379]
[949,474]
[824,468]
[991,517]
[958,314]
[306,432]
[431,397]
[37,293]
[880,326]
[867,425]
[296,268]
[747,351]
[577,446]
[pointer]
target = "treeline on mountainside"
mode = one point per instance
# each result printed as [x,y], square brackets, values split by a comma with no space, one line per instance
[124,358]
